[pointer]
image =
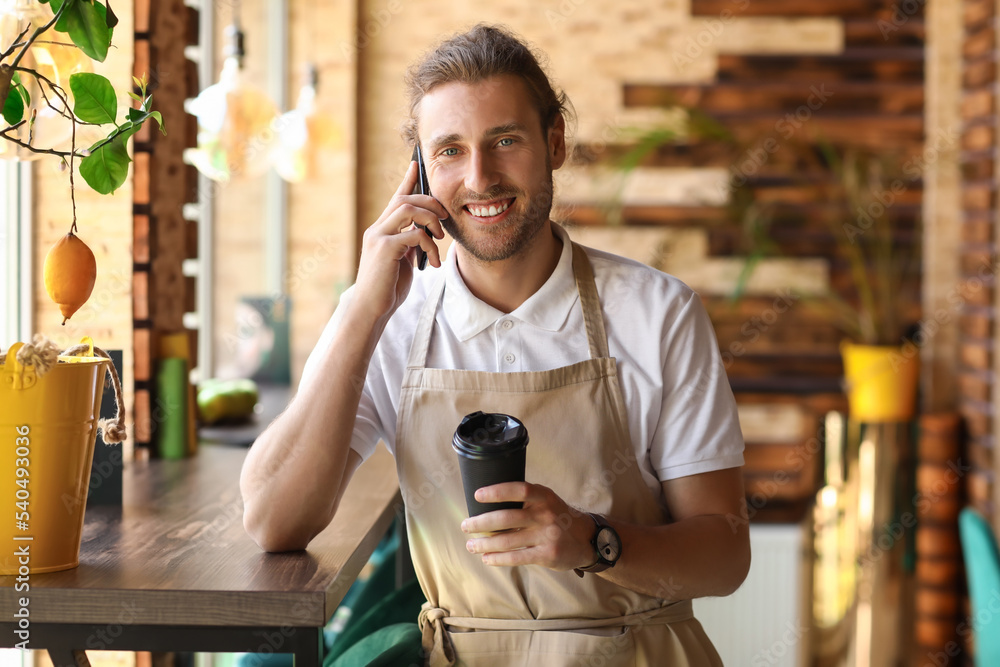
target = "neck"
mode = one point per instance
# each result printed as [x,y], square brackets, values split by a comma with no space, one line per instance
[508,283]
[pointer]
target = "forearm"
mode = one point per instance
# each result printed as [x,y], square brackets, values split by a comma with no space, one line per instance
[695,557]
[291,480]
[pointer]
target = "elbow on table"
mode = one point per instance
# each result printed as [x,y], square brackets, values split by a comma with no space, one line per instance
[273,535]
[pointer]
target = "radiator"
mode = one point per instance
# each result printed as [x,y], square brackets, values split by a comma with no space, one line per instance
[766,622]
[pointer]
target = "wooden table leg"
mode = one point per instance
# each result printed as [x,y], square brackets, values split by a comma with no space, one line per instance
[65,657]
[308,647]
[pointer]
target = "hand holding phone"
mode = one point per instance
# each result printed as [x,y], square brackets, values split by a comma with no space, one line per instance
[422,188]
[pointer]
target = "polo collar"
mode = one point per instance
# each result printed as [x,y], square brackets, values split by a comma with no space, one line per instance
[548,308]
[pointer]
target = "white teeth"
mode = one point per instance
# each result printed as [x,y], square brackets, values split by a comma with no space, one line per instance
[483,212]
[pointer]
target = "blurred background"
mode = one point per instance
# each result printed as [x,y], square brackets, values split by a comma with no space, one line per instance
[821,173]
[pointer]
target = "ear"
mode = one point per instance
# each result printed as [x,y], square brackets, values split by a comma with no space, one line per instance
[557,142]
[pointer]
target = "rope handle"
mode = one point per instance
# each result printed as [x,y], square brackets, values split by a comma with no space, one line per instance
[112,430]
[42,354]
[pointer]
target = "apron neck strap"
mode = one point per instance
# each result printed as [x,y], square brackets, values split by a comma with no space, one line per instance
[597,338]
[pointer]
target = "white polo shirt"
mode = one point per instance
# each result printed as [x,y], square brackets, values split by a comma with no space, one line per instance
[681,412]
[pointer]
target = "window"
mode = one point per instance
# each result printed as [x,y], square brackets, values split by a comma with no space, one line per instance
[15,251]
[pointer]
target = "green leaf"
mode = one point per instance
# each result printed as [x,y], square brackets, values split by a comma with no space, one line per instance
[94,99]
[87,26]
[13,108]
[60,26]
[159,120]
[135,97]
[16,85]
[25,95]
[110,18]
[137,115]
[106,168]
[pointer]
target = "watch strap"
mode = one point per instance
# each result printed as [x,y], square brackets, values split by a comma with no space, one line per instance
[601,564]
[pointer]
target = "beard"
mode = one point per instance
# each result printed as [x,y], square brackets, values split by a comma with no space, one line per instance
[513,234]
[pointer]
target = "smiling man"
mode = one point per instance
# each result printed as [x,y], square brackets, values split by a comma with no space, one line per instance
[633,467]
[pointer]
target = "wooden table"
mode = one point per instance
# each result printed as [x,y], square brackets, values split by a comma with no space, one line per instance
[173,570]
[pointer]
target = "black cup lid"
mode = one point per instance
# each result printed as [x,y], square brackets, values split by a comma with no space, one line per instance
[490,433]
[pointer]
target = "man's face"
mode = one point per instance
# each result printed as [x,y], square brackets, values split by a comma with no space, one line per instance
[489,163]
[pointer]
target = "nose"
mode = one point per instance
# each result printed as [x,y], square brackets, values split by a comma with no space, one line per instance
[481,174]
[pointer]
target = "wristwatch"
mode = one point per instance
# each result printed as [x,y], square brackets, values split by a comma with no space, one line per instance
[606,543]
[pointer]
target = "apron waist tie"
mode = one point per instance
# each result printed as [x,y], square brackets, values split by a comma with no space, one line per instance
[439,648]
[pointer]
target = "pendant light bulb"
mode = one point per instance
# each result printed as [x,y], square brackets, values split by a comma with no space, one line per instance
[235,121]
[303,134]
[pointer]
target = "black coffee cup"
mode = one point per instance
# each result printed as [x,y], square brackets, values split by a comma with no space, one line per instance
[491,450]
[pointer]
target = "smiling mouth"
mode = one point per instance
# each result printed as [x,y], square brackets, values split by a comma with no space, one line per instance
[489,209]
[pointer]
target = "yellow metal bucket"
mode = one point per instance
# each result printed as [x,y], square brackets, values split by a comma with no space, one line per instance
[48,426]
[881,382]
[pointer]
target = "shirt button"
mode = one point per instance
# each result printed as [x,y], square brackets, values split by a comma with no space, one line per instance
[509,358]
[507,324]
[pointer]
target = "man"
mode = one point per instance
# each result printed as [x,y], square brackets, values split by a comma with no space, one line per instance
[611,365]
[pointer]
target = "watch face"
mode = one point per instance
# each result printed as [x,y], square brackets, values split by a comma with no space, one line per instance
[608,544]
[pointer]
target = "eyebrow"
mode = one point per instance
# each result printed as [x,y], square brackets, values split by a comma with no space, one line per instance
[506,128]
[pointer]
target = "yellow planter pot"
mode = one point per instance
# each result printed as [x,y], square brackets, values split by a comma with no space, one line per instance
[881,381]
[48,426]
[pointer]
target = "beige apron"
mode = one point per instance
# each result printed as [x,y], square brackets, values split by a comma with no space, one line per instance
[580,448]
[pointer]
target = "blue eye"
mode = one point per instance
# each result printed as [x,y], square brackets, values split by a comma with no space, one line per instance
[450,152]
[506,141]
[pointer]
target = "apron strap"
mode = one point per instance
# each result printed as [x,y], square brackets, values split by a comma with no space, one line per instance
[597,338]
[434,638]
[437,644]
[422,335]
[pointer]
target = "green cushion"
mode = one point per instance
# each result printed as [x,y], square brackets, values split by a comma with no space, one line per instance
[400,606]
[982,567]
[396,645]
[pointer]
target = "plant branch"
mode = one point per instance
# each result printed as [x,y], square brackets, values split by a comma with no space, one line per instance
[41,151]
[38,32]
[17,43]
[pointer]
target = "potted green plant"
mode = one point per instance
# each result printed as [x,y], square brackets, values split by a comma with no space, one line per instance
[859,188]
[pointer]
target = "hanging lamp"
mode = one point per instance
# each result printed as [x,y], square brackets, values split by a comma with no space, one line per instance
[303,133]
[235,119]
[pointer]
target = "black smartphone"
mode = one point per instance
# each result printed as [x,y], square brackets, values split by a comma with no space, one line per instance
[423,188]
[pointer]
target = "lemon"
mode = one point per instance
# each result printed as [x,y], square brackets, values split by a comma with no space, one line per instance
[70,272]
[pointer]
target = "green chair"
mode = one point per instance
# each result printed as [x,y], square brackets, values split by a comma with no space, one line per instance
[982,568]
[353,620]
[380,634]
[396,645]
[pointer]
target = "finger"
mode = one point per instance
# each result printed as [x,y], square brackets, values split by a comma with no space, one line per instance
[496,520]
[528,556]
[507,492]
[431,204]
[409,213]
[416,236]
[509,541]
[409,180]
